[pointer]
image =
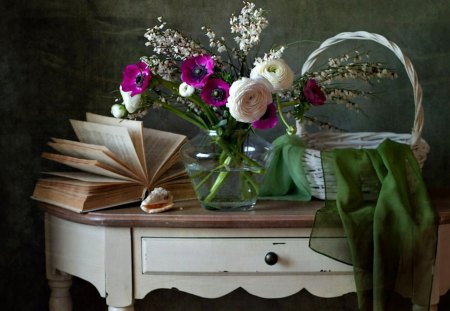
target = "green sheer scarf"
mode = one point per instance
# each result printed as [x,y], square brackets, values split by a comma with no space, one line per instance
[379,219]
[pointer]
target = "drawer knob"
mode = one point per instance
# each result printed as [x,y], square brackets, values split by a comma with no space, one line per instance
[271,258]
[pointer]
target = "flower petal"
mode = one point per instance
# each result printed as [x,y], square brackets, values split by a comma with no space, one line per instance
[268,120]
[131,103]
[279,74]
[136,78]
[314,93]
[249,99]
[186,90]
[196,70]
[215,92]
[118,111]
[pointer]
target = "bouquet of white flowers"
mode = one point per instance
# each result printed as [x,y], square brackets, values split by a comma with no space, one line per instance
[224,89]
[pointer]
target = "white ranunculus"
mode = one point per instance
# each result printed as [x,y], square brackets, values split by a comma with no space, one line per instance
[186,90]
[118,111]
[279,74]
[249,99]
[132,103]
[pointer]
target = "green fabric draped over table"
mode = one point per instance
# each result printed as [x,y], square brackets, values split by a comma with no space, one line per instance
[378,217]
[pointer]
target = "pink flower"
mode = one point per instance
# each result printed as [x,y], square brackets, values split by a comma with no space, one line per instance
[196,70]
[268,120]
[135,78]
[215,92]
[314,93]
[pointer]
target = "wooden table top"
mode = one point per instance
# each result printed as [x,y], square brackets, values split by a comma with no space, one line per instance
[189,214]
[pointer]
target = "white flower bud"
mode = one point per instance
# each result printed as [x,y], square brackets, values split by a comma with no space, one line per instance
[186,90]
[118,111]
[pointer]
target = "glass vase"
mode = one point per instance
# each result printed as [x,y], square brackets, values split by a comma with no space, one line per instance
[226,169]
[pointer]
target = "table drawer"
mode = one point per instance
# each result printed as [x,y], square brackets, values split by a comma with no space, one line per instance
[233,255]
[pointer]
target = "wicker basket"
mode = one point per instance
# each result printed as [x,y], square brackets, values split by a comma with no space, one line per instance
[317,142]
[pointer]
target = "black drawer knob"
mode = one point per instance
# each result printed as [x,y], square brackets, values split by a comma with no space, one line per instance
[271,258]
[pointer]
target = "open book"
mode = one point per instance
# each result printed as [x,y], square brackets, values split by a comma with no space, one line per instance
[116,162]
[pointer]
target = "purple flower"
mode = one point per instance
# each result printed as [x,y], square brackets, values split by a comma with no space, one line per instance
[313,93]
[196,70]
[215,92]
[268,120]
[135,78]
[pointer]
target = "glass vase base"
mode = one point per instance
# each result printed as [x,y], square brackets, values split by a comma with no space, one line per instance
[228,206]
[226,170]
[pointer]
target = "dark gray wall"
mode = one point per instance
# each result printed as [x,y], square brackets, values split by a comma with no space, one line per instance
[60,59]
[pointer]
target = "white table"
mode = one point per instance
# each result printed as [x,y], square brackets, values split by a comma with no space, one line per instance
[126,253]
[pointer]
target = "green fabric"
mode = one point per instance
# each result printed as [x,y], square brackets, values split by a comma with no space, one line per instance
[377,216]
[284,178]
[381,221]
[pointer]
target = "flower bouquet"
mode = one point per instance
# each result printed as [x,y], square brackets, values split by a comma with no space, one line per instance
[227,91]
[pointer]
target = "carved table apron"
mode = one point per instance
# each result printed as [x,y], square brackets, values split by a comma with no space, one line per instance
[126,253]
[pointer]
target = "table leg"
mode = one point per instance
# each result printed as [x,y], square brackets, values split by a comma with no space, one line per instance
[59,284]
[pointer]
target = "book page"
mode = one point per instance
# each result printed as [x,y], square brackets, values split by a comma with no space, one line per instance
[88,177]
[174,172]
[92,152]
[160,148]
[78,202]
[91,166]
[135,129]
[116,138]
[84,188]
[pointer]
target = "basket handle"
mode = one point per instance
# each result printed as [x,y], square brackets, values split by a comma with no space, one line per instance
[363,35]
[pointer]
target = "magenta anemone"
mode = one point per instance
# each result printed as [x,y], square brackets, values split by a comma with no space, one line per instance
[314,93]
[196,70]
[268,120]
[135,78]
[215,92]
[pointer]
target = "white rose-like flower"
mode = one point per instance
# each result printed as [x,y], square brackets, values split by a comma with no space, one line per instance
[279,74]
[249,99]
[186,90]
[132,103]
[118,111]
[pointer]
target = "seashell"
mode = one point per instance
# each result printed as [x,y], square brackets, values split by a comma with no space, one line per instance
[159,200]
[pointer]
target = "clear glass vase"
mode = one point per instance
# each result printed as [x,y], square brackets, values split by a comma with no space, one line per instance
[226,169]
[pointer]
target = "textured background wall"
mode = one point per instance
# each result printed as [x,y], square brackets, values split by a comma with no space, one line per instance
[60,59]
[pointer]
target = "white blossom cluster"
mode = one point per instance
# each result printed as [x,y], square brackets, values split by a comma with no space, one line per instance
[248,25]
[171,43]
[341,68]
[139,114]
[323,125]
[272,54]
[336,62]
[190,106]
[213,41]
[339,61]
[166,68]
[345,97]
[361,71]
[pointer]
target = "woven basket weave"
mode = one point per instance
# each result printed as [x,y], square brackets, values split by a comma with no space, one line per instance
[316,142]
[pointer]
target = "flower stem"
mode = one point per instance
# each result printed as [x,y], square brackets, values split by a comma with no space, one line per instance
[289,129]
[223,175]
[205,179]
[196,121]
[217,185]
[173,87]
